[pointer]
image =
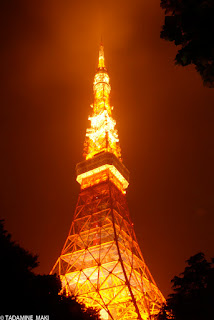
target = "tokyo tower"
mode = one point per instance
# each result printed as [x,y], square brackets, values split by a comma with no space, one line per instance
[101,262]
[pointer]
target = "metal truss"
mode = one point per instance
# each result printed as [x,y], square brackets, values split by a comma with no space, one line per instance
[101,262]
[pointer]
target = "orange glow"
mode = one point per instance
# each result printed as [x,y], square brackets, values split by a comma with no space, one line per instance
[100,174]
[101,262]
[102,135]
[101,63]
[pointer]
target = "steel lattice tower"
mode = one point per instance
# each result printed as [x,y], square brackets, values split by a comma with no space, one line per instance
[101,262]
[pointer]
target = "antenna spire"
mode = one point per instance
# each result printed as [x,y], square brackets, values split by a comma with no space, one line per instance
[101,63]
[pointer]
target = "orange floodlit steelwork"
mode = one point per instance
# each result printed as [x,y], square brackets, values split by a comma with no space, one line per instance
[102,135]
[101,262]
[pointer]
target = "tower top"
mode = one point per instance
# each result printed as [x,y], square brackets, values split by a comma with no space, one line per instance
[102,135]
[101,63]
[101,148]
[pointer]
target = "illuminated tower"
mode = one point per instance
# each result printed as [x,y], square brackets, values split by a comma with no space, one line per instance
[101,261]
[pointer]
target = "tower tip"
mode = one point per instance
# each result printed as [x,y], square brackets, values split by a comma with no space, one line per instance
[101,63]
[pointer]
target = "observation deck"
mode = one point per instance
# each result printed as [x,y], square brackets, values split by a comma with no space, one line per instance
[100,163]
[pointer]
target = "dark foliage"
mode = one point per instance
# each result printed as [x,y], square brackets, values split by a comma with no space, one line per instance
[193,297]
[24,292]
[190,24]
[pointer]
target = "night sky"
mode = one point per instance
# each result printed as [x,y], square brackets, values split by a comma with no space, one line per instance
[165,120]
